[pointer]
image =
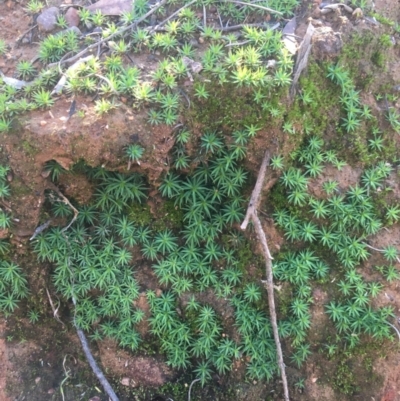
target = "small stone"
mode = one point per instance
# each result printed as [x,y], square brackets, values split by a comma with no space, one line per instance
[125,381]
[314,379]
[51,391]
[47,20]
[357,13]
[37,380]
[72,17]
[43,123]
[201,40]
[45,173]
[10,176]
[194,43]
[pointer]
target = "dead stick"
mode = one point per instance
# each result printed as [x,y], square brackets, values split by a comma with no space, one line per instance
[96,370]
[252,214]
[270,10]
[255,196]
[271,301]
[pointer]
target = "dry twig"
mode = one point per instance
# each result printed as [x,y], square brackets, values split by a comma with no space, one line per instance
[53,308]
[252,214]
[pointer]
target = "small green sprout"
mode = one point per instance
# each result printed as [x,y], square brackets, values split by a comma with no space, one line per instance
[134,152]
[25,69]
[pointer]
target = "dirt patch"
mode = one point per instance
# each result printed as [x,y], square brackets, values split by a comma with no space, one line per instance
[139,370]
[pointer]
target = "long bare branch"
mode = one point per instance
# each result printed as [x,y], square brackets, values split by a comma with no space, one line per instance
[252,214]
[271,301]
[255,195]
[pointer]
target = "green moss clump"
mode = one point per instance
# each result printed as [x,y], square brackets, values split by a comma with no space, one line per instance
[344,379]
[140,214]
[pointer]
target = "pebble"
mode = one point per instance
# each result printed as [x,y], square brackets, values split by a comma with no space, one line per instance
[194,43]
[72,17]
[358,13]
[47,20]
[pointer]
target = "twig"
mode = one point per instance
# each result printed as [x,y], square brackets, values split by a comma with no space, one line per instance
[190,387]
[252,213]
[17,42]
[67,376]
[40,229]
[240,26]
[253,5]
[255,195]
[171,16]
[117,33]
[397,331]
[96,370]
[55,311]
[378,250]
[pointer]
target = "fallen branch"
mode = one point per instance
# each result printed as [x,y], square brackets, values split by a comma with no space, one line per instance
[190,388]
[53,308]
[395,328]
[96,370]
[262,25]
[161,24]
[255,195]
[378,250]
[252,214]
[67,202]
[302,58]
[270,10]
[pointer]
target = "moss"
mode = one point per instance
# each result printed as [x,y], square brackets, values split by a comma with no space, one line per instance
[378,58]
[169,216]
[344,379]
[28,148]
[321,109]
[140,214]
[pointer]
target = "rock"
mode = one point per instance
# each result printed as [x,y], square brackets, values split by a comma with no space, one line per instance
[357,13]
[326,43]
[72,28]
[72,17]
[47,20]
[194,43]
[126,381]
